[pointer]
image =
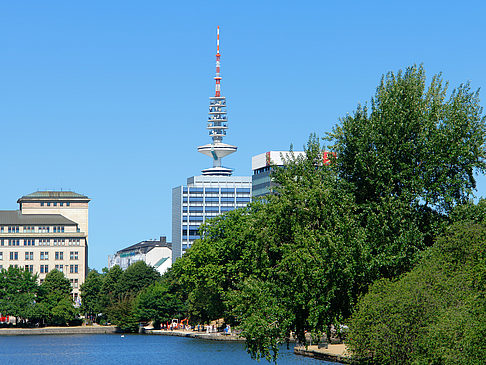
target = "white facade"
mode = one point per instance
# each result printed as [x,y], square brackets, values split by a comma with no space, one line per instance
[272,158]
[157,254]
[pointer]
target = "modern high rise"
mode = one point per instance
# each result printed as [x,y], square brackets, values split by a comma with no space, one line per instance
[49,231]
[214,192]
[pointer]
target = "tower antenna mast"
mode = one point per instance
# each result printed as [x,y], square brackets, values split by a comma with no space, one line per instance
[217,126]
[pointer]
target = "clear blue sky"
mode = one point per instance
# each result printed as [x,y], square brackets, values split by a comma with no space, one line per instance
[110,98]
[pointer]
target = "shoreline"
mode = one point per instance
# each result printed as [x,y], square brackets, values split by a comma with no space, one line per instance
[333,352]
[75,330]
[217,336]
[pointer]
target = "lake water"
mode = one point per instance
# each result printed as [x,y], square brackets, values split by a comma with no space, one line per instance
[132,349]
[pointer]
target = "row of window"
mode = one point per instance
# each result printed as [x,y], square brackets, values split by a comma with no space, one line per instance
[73,269]
[44,269]
[41,242]
[215,190]
[215,209]
[191,237]
[54,204]
[216,199]
[31,229]
[44,255]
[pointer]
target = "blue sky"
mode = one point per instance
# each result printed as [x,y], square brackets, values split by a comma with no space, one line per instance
[110,98]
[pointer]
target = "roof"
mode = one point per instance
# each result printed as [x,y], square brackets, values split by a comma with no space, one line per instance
[53,195]
[17,218]
[146,246]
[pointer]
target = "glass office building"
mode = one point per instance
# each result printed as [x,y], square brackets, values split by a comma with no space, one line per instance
[204,197]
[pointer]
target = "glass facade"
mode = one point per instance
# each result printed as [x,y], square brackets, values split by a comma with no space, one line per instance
[203,198]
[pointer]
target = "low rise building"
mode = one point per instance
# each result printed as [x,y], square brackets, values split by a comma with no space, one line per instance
[156,253]
[49,231]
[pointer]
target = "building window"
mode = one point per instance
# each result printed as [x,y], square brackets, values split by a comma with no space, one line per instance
[61,204]
[29,268]
[58,229]
[55,204]
[29,242]
[1,255]
[14,256]
[59,255]
[29,256]
[13,229]
[68,204]
[48,204]
[44,255]
[75,269]
[42,204]
[14,242]
[73,255]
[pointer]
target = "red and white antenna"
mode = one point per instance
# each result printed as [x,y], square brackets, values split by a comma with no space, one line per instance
[218,65]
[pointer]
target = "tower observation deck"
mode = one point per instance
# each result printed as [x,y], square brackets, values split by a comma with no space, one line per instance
[217,126]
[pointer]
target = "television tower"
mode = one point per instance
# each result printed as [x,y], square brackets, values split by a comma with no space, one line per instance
[217,126]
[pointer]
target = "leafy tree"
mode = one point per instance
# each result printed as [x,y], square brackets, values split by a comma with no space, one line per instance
[215,264]
[135,278]
[409,160]
[55,293]
[310,257]
[159,304]
[108,292]
[414,143]
[433,315]
[90,293]
[18,290]
[123,313]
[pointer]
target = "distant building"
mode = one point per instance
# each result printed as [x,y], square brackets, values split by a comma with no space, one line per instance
[261,166]
[157,254]
[49,231]
[203,198]
[215,191]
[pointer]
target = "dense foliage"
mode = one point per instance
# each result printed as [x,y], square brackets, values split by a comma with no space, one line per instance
[126,298]
[48,303]
[436,313]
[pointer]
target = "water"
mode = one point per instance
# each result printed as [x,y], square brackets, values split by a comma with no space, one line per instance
[132,349]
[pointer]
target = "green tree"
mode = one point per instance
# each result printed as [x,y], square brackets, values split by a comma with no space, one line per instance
[409,160]
[414,143]
[108,294]
[435,314]
[309,257]
[215,264]
[18,290]
[135,278]
[55,293]
[122,313]
[159,304]
[90,293]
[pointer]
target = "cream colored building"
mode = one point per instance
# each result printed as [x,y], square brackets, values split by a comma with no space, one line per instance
[49,231]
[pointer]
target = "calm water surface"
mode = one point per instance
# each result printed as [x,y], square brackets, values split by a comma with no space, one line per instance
[132,349]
